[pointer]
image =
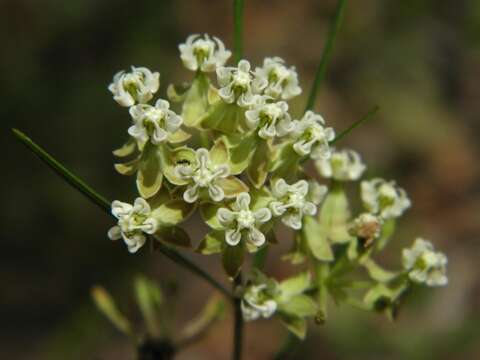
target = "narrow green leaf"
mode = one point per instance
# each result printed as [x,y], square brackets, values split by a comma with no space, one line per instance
[327,52]
[295,325]
[63,172]
[174,235]
[357,123]
[300,305]
[314,235]
[149,299]
[212,243]
[294,286]
[105,303]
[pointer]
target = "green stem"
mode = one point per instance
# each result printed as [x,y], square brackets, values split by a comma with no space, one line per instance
[238,30]
[327,52]
[238,321]
[104,204]
[345,132]
[63,172]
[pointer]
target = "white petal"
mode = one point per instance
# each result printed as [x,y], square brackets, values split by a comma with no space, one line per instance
[232,237]
[115,233]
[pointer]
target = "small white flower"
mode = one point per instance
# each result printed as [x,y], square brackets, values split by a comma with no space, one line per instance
[202,174]
[291,202]
[242,222]
[424,264]
[384,198]
[282,81]
[138,85]
[312,137]
[203,53]
[238,84]
[153,123]
[316,192]
[256,303]
[344,165]
[133,222]
[272,119]
[367,227]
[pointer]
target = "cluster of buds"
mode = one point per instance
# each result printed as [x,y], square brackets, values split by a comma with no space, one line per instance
[227,147]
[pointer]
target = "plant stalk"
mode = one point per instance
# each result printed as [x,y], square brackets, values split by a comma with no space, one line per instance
[326,54]
[104,204]
[238,321]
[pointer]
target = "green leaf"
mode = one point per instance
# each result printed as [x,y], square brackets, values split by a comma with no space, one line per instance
[177,93]
[334,216]
[388,229]
[174,235]
[377,273]
[213,311]
[208,211]
[105,303]
[232,258]
[242,148]
[314,235]
[219,152]
[225,118]
[286,163]
[178,136]
[258,168]
[149,175]
[196,101]
[127,149]
[232,186]
[296,325]
[294,286]
[149,299]
[261,198]
[173,212]
[300,305]
[212,243]
[128,168]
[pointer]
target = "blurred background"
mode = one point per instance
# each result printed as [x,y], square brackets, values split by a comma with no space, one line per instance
[419,60]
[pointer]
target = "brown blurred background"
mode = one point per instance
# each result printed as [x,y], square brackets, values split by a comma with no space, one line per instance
[419,60]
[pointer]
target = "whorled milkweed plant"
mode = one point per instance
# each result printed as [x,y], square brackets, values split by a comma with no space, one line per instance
[227,147]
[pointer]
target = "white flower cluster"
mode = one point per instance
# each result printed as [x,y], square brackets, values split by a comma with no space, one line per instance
[312,137]
[153,123]
[291,202]
[202,174]
[424,265]
[272,119]
[242,222]
[133,222]
[282,82]
[139,85]
[344,165]
[256,303]
[384,198]
[205,54]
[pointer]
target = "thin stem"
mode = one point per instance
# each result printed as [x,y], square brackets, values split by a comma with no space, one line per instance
[238,321]
[63,172]
[327,52]
[345,132]
[104,204]
[238,30]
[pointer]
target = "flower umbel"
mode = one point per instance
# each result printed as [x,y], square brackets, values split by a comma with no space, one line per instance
[282,81]
[384,198]
[424,264]
[242,222]
[203,53]
[133,222]
[312,137]
[256,303]
[291,202]
[138,85]
[203,174]
[344,165]
[153,123]
[238,84]
[272,119]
